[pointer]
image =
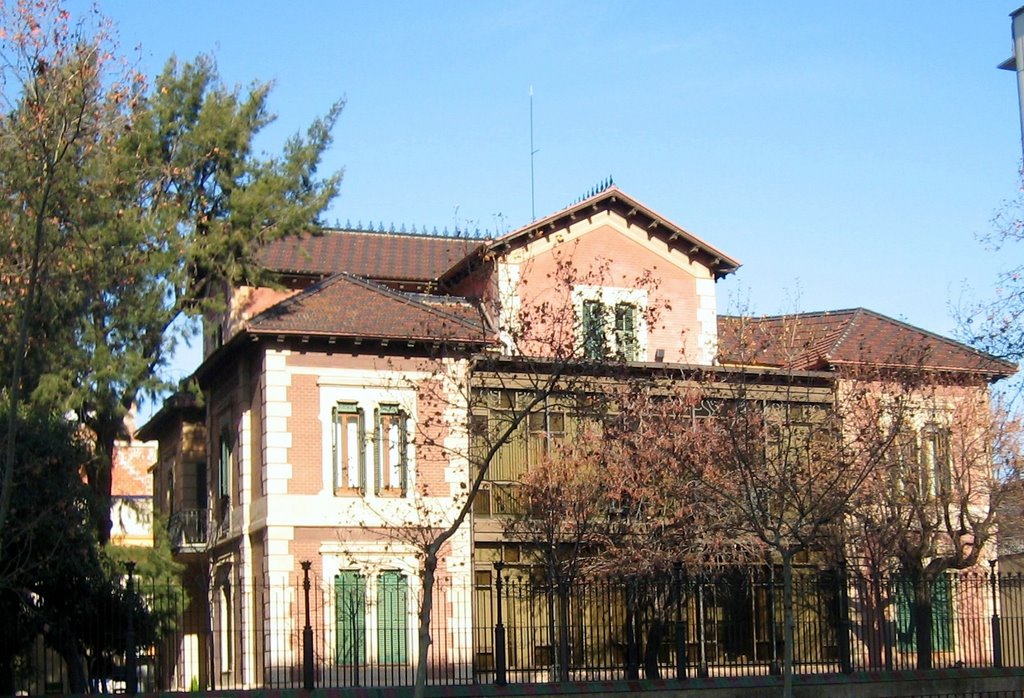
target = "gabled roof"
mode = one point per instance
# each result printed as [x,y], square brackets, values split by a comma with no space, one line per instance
[346,306]
[611,199]
[179,406]
[381,256]
[831,339]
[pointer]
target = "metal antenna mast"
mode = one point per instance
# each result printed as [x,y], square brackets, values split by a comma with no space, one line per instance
[533,191]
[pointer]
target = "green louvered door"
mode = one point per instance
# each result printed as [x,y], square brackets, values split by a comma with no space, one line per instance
[392,618]
[350,618]
[942,615]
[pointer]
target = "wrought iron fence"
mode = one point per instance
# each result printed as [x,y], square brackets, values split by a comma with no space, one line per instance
[505,625]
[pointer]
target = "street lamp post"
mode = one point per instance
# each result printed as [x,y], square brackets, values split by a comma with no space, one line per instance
[131,678]
[307,632]
[500,671]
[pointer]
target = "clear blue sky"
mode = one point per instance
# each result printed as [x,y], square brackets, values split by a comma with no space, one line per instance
[847,153]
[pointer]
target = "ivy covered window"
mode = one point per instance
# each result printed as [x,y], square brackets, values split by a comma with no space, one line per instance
[626,344]
[610,330]
[594,344]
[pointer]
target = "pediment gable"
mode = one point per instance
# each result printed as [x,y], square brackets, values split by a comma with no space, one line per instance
[617,209]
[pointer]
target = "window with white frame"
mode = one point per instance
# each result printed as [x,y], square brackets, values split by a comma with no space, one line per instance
[391,450]
[920,462]
[936,469]
[610,322]
[348,438]
[367,442]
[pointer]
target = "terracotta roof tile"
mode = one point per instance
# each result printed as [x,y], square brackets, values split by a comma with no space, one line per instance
[347,306]
[808,341]
[130,474]
[382,256]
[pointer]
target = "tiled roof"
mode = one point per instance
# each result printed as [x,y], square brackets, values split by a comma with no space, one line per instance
[829,339]
[130,474]
[382,256]
[344,305]
[183,406]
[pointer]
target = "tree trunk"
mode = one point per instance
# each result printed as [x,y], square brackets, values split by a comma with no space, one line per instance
[789,621]
[563,634]
[881,655]
[922,610]
[632,640]
[426,609]
[655,634]
[6,675]
[100,476]
[67,648]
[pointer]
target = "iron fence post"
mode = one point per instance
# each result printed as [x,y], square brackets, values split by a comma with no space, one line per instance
[677,580]
[845,663]
[702,650]
[774,666]
[500,672]
[307,632]
[131,679]
[997,632]
[632,648]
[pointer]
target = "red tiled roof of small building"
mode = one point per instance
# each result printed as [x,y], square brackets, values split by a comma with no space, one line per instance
[381,256]
[130,476]
[344,305]
[827,340]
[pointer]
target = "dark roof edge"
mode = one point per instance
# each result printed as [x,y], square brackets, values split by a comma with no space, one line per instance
[177,403]
[252,325]
[860,311]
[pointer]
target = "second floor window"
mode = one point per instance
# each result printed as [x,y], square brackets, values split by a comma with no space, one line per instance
[347,445]
[224,469]
[391,450]
[935,466]
[920,462]
[626,344]
[610,323]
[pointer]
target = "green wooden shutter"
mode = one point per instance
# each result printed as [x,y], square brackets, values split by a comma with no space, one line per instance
[593,330]
[335,462]
[362,452]
[403,450]
[224,486]
[625,331]
[350,618]
[905,627]
[942,614]
[379,441]
[392,618]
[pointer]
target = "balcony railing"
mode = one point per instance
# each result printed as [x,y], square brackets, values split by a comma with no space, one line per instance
[187,530]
